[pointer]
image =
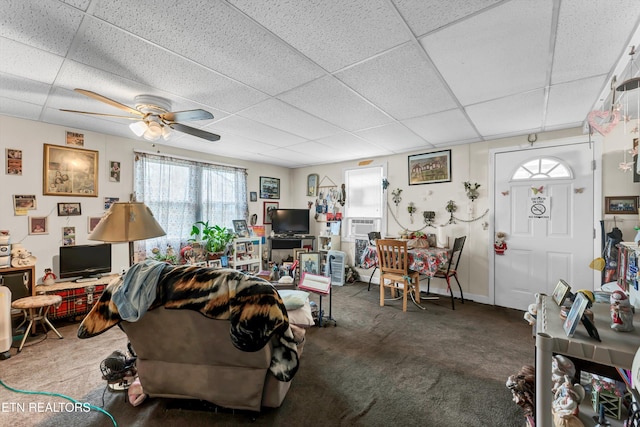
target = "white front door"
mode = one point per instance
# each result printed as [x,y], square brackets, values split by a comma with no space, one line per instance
[544,202]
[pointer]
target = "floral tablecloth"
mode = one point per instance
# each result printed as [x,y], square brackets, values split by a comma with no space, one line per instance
[423,260]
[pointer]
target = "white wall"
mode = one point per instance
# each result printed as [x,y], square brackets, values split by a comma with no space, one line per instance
[29,136]
[470,162]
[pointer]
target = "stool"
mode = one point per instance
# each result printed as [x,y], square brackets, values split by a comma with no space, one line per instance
[36,308]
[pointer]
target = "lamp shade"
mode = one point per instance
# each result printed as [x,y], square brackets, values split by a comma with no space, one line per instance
[127,222]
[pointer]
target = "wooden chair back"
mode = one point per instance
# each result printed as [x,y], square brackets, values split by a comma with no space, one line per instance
[392,256]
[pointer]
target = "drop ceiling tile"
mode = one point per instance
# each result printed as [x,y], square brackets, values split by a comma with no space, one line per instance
[102,46]
[585,44]
[280,115]
[394,137]
[501,52]
[17,108]
[257,131]
[345,143]
[332,101]
[518,113]
[31,91]
[564,99]
[218,37]
[46,25]
[401,82]
[79,4]
[424,16]
[334,34]
[444,127]
[28,62]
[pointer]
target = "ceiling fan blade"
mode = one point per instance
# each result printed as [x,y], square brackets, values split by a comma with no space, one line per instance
[181,116]
[193,131]
[109,101]
[102,114]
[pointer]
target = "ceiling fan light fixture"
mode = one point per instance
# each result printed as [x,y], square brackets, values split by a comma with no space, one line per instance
[139,128]
[154,131]
[166,132]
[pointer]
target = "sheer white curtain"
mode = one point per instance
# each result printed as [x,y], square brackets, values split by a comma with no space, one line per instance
[180,192]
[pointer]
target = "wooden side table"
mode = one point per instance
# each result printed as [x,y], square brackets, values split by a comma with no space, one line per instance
[36,308]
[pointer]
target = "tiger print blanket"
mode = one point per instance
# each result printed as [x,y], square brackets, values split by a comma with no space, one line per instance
[251,304]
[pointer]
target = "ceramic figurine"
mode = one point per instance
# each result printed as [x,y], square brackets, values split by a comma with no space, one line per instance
[49,277]
[567,399]
[21,257]
[621,312]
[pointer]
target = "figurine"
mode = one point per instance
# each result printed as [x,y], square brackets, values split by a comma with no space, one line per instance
[566,400]
[49,277]
[621,312]
[21,257]
[500,245]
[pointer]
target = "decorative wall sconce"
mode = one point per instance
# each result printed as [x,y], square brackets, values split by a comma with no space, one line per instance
[429,217]
[385,183]
[472,190]
[396,196]
[451,208]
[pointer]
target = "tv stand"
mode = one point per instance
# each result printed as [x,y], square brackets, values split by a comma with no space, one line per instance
[77,297]
[86,279]
[289,242]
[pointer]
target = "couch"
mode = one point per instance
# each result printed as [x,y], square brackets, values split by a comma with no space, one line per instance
[215,335]
[183,362]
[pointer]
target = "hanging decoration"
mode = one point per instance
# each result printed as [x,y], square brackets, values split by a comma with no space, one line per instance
[397,198]
[603,121]
[451,208]
[385,183]
[500,245]
[411,208]
[537,190]
[472,190]
[429,216]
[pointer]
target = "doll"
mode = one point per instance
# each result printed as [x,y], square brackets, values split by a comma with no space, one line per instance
[49,277]
[621,312]
[500,245]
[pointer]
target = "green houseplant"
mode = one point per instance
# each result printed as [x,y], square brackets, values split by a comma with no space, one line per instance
[216,238]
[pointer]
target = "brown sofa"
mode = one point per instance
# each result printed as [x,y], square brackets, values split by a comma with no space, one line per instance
[183,354]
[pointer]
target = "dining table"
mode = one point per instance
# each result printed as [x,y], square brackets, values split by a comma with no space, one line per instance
[423,260]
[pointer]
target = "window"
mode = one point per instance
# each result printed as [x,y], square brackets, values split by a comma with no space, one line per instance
[365,201]
[542,168]
[181,192]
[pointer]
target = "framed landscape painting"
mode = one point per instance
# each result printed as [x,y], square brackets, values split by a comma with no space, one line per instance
[430,168]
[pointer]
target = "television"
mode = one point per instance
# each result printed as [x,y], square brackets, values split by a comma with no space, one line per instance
[85,260]
[290,221]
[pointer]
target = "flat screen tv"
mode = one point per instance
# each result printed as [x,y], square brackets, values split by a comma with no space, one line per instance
[85,260]
[290,221]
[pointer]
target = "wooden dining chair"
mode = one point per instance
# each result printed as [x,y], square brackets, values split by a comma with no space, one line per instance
[393,261]
[451,270]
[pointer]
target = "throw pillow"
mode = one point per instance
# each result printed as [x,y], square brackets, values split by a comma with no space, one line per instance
[293,299]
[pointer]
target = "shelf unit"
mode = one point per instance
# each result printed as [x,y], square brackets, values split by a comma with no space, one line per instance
[247,254]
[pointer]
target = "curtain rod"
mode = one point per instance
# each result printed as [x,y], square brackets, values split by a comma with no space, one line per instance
[190,159]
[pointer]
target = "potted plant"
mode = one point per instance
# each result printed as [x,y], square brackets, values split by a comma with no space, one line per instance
[216,238]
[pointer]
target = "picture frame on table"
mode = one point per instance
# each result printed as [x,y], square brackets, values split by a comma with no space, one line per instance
[621,205]
[241,248]
[309,262]
[575,314]
[561,292]
[269,208]
[240,227]
[214,263]
[269,187]
[70,171]
[430,168]
[69,209]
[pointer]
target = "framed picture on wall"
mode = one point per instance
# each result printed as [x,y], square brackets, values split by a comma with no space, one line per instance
[312,184]
[269,208]
[636,164]
[430,168]
[114,171]
[38,225]
[92,222]
[621,205]
[253,196]
[69,209]
[269,188]
[70,171]
[14,162]
[68,236]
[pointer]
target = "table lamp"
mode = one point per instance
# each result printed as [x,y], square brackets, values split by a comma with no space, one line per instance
[127,222]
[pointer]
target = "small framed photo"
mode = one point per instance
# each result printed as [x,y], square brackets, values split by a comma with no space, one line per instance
[250,247]
[92,222]
[214,263]
[75,139]
[68,236]
[575,314]
[69,209]
[310,262]
[240,227]
[621,205]
[561,292]
[430,168]
[23,203]
[38,225]
[114,171]
[253,196]
[241,248]
[269,208]
[14,162]
[269,188]
[312,184]
[108,201]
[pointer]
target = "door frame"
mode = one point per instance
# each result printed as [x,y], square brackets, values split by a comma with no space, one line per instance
[596,142]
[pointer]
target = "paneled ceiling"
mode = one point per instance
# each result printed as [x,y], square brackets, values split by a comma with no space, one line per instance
[307,82]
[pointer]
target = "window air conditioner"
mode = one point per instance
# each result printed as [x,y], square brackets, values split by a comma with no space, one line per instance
[362,226]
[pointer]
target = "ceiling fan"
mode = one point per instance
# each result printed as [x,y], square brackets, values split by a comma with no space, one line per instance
[153,116]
